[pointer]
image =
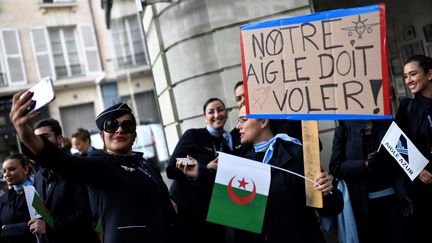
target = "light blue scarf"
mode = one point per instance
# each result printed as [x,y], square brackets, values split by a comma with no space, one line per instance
[227,138]
[28,182]
[268,146]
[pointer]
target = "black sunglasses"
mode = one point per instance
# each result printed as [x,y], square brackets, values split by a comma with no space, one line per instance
[128,126]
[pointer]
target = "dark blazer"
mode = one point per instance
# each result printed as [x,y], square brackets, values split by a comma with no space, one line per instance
[69,205]
[287,218]
[132,200]
[193,196]
[411,117]
[15,216]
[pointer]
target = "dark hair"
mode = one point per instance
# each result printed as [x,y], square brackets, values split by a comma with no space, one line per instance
[210,101]
[82,134]
[24,161]
[423,61]
[239,83]
[49,122]
[290,127]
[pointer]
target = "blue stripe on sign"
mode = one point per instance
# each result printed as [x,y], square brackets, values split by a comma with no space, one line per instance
[320,116]
[311,17]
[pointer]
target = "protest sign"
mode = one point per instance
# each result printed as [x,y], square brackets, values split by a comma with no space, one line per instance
[326,66]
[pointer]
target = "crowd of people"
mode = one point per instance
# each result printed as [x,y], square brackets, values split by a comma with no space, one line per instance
[117,189]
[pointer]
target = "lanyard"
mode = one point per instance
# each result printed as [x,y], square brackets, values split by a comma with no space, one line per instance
[430,128]
[215,150]
[429,120]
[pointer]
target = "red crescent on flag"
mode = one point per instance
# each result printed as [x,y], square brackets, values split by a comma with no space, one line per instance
[241,200]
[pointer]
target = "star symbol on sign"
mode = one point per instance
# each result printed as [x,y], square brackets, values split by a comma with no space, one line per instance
[242,183]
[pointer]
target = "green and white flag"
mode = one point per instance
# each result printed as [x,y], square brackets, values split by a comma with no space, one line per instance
[36,206]
[240,192]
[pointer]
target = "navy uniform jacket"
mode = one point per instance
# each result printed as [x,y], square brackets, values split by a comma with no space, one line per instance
[412,118]
[15,216]
[287,218]
[132,200]
[193,196]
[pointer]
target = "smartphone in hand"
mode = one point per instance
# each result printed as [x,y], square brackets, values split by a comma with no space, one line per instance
[43,93]
[185,161]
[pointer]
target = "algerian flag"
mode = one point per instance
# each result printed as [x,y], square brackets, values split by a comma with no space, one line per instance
[404,151]
[240,192]
[36,206]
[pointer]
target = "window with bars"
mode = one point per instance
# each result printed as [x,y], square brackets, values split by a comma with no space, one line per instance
[65,52]
[128,42]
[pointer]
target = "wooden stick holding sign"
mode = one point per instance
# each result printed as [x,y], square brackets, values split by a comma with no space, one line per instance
[312,165]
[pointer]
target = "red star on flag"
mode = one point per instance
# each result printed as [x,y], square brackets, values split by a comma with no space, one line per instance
[243,183]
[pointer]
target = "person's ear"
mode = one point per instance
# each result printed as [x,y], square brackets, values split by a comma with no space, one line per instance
[101,133]
[26,170]
[264,123]
[60,139]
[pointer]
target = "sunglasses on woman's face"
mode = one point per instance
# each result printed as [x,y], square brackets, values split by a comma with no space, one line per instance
[128,126]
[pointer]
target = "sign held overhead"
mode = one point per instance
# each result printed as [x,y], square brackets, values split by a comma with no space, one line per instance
[325,66]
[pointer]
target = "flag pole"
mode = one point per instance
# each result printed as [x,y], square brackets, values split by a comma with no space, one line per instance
[297,174]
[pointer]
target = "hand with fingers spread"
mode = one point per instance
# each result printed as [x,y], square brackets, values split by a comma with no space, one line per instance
[324,183]
[190,170]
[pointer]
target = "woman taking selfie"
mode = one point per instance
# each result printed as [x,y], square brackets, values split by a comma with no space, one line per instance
[132,200]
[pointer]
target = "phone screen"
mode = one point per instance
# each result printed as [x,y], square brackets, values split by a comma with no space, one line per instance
[43,93]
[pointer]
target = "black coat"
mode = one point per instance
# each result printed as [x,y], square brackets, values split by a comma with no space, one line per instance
[411,117]
[287,218]
[193,196]
[68,203]
[350,150]
[132,200]
[14,215]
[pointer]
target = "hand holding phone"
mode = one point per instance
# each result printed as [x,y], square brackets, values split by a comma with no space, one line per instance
[185,161]
[43,93]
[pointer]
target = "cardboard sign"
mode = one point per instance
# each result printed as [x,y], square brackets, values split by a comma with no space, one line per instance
[325,66]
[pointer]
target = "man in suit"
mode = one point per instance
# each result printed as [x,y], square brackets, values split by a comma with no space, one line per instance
[68,203]
[81,141]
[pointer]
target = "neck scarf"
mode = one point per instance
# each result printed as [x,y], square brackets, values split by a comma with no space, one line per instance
[227,138]
[268,146]
[28,182]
